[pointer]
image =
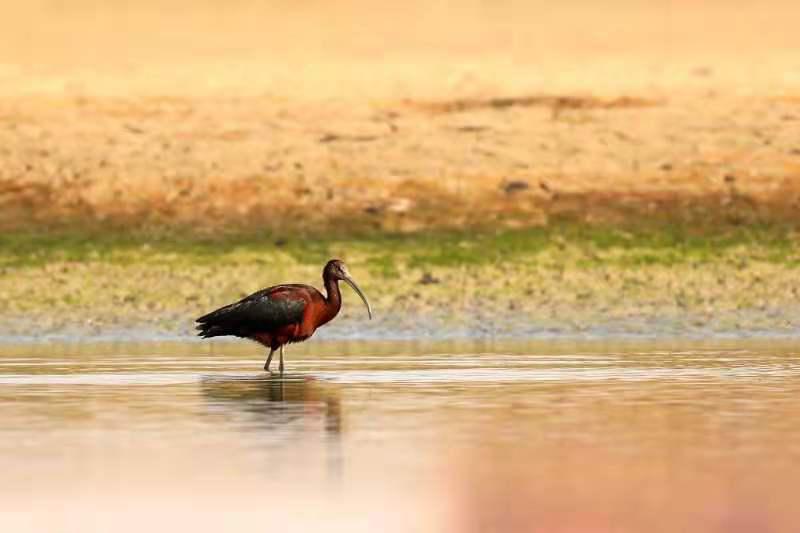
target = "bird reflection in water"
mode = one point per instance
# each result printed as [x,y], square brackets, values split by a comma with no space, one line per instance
[281,409]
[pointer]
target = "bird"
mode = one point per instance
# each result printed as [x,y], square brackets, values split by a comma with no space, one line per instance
[282,314]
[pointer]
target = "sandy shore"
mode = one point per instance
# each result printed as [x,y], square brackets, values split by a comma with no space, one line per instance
[292,119]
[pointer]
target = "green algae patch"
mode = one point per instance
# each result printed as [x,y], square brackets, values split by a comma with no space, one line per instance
[382,252]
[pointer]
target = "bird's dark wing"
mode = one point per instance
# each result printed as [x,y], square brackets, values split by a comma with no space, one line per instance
[261,311]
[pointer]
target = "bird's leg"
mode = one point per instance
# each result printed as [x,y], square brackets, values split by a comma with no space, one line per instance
[269,359]
[281,367]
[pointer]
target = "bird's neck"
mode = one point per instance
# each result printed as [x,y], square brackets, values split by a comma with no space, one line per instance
[333,298]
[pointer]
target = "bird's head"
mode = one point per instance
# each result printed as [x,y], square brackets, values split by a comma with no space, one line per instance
[336,269]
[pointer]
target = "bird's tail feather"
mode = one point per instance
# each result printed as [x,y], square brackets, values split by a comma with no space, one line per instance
[209,330]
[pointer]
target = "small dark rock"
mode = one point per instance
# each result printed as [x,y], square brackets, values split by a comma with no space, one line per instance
[729,178]
[329,137]
[666,167]
[515,186]
[373,210]
[281,241]
[428,279]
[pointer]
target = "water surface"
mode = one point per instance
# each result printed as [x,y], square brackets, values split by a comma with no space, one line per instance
[366,436]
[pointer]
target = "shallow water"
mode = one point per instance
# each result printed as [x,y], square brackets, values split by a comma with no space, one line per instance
[367,436]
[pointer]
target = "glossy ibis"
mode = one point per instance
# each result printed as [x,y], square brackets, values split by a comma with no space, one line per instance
[281,314]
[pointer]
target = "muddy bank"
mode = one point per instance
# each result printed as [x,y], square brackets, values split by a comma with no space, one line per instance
[523,283]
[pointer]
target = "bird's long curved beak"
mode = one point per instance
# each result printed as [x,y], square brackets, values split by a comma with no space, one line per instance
[352,283]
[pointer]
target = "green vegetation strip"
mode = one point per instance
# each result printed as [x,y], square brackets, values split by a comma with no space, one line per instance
[383,254]
[570,278]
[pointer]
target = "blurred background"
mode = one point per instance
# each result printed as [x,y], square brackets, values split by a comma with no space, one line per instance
[401,117]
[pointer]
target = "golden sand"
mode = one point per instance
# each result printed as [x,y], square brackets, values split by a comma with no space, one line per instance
[397,116]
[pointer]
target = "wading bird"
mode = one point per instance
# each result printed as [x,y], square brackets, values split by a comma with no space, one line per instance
[282,314]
